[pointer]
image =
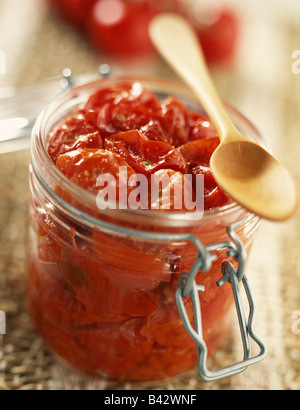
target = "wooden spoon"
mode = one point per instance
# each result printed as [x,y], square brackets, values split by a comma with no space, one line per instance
[243,169]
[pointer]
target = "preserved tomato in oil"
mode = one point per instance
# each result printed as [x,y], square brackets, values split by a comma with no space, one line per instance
[105,301]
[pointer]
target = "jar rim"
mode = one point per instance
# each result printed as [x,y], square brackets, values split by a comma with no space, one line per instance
[43,165]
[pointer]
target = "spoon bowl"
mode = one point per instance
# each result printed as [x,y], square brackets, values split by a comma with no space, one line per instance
[248,173]
[255,179]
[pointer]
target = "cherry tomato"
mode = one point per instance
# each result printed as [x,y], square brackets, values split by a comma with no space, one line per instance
[121,117]
[174,118]
[114,348]
[123,108]
[158,155]
[75,133]
[53,294]
[84,166]
[129,265]
[214,197]
[64,343]
[132,93]
[50,237]
[49,248]
[198,154]
[200,151]
[128,146]
[219,39]
[120,27]
[209,181]
[100,293]
[131,331]
[171,192]
[165,325]
[143,155]
[200,127]
[74,11]
[155,131]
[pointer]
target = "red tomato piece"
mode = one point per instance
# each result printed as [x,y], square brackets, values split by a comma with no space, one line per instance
[73,134]
[84,316]
[209,181]
[143,155]
[112,119]
[51,304]
[120,28]
[216,199]
[48,248]
[88,141]
[64,343]
[158,155]
[129,265]
[170,193]
[103,294]
[84,166]
[48,237]
[200,127]
[126,107]
[174,119]
[200,151]
[130,331]
[128,146]
[52,294]
[115,351]
[131,140]
[132,93]
[108,95]
[165,326]
[154,131]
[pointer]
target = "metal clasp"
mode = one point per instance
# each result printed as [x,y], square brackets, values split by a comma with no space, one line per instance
[188,287]
[68,80]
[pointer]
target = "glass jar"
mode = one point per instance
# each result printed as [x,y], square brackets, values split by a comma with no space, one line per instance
[101,284]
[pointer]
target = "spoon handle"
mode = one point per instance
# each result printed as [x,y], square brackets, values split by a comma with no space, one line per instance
[177,42]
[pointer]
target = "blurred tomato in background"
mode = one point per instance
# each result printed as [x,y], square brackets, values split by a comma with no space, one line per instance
[74,11]
[119,28]
[217,27]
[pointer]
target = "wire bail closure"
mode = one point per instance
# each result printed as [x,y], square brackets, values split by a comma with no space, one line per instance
[188,287]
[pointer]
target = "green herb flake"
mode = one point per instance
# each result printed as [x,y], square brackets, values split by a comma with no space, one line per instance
[146,163]
[121,117]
